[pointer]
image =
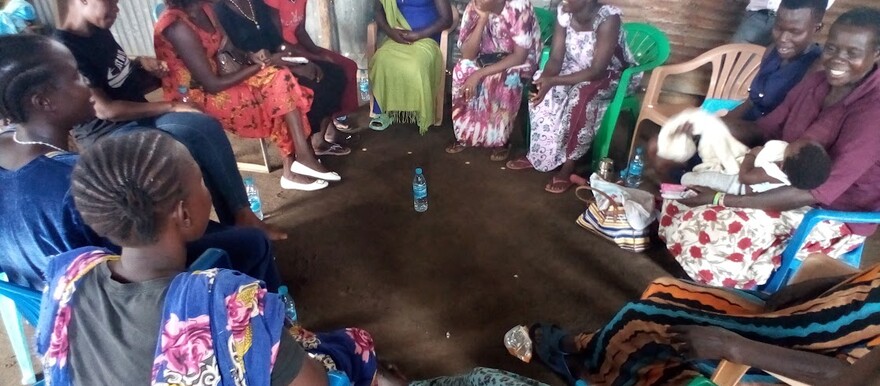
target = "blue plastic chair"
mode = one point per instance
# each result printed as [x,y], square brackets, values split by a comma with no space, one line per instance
[790,264]
[17,302]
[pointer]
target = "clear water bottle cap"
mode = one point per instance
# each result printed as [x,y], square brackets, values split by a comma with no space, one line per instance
[282,290]
[418,170]
[182,89]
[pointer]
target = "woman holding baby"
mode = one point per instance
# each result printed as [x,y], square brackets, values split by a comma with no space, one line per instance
[736,240]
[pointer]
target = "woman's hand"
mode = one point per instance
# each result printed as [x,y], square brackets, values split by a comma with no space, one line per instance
[398,36]
[262,57]
[411,36]
[698,342]
[704,196]
[469,89]
[154,66]
[544,84]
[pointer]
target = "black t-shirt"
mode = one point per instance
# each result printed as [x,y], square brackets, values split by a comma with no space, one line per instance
[243,33]
[105,64]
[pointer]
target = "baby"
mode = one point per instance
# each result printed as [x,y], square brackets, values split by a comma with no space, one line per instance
[803,164]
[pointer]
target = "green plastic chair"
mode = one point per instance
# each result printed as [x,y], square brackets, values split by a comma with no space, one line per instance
[650,47]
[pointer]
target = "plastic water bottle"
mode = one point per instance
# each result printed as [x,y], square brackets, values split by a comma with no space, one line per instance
[636,168]
[184,93]
[289,305]
[253,196]
[364,84]
[420,191]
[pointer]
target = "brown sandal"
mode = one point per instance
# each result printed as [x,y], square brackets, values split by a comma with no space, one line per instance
[558,185]
[519,164]
[500,154]
[456,147]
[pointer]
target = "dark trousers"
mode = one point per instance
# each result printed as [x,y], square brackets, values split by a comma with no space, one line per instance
[328,93]
[250,252]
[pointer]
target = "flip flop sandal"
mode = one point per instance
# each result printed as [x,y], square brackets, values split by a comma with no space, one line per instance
[334,149]
[519,164]
[499,155]
[548,350]
[456,147]
[380,123]
[566,184]
[341,123]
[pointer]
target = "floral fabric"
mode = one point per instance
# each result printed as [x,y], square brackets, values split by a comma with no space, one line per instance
[254,108]
[741,247]
[487,119]
[218,326]
[564,123]
[349,350]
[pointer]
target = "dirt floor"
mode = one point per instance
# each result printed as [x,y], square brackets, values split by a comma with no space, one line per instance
[438,290]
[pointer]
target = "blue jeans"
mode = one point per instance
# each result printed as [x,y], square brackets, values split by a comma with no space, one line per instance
[209,146]
[756,27]
[250,252]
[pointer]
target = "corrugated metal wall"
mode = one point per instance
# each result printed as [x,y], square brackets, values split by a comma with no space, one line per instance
[693,26]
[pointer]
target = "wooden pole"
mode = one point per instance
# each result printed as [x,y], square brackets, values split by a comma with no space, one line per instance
[325,11]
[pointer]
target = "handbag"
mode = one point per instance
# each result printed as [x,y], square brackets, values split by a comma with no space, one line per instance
[229,58]
[611,223]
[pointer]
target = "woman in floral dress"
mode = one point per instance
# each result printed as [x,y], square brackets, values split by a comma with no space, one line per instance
[261,99]
[589,53]
[736,241]
[499,41]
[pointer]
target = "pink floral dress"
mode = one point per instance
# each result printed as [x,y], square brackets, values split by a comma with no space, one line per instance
[486,120]
[564,123]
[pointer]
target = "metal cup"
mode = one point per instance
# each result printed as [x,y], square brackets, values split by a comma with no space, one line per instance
[606,169]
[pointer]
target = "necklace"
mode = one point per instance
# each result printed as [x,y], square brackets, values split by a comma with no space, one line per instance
[252,18]
[14,138]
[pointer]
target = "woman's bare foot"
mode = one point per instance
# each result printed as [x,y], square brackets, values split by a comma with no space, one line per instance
[245,218]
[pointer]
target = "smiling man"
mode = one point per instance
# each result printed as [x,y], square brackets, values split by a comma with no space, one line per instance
[757,23]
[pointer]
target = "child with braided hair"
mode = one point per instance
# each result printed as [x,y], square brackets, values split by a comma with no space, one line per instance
[144,192]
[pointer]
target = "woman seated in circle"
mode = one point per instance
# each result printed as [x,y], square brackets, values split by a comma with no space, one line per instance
[257,100]
[405,70]
[119,85]
[254,26]
[500,41]
[736,241]
[812,332]
[574,89]
[45,98]
[138,318]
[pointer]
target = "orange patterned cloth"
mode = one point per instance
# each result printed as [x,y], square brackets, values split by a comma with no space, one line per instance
[254,108]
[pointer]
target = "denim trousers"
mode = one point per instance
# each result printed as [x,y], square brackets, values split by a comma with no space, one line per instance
[206,141]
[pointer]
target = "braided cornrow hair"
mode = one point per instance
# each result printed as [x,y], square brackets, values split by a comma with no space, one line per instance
[123,185]
[23,70]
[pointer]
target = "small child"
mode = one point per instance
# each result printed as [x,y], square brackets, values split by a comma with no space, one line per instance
[803,164]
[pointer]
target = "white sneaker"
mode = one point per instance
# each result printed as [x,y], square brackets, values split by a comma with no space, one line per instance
[293,185]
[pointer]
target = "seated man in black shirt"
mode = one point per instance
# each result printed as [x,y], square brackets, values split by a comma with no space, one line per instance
[118,86]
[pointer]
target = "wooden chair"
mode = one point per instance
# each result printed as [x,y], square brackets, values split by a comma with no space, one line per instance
[733,68]
[373,37]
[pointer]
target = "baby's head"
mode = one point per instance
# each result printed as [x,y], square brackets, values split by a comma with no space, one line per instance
[806,164]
